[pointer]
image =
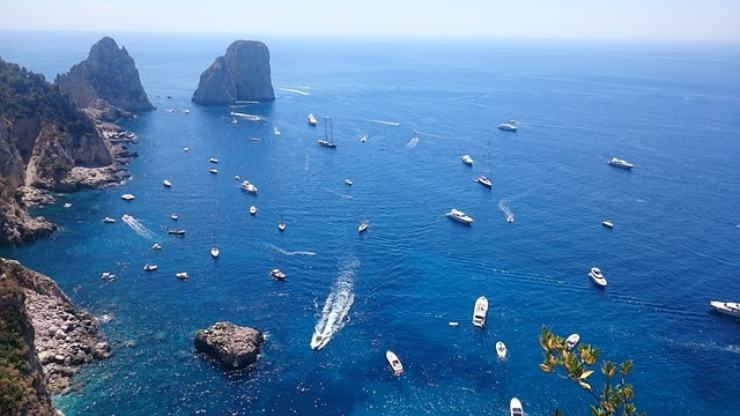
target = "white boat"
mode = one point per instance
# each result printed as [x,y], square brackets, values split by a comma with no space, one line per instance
[275,131]
[213,160]
[234,121]
[621,163]
[394,362]
[483,180]
[237,178]
[186,111]
[453,323]
[572,341]
[311,119]
[253,210]
[316,341]
[277,274]
[607,223]
[328,140]
[501,350]
[150,267]
[185,149]
[109,220]
[510,125]
[281,226]
[459,216]
[167,183]
[728,308]
[215,252]
[182,275]
[213,171]
[174,217]
[480,311]
[67,205]
[515,407]
[467,159]
[156,246]
[249,187]
[597,277]
[178,232]
[363,226]
[128,197]
[255,139]
[107,277]
[348,182]
[363,138]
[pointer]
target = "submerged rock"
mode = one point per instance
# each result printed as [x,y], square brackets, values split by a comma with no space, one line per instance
[243,73]
[232,345]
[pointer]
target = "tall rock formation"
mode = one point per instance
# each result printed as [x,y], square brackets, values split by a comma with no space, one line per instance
[243,73]
[108,73]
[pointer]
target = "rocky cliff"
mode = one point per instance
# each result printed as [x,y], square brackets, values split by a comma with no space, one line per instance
[108,73]
[243,73]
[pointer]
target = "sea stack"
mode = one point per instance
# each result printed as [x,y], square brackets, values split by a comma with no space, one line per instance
[108,73]
[231,345]
[243,73]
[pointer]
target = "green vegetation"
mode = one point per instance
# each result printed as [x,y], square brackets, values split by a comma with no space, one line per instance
[614,398]
[15,378]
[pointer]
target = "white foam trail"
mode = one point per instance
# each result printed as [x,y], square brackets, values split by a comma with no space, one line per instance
[337,306]
[247,102]
[412,143]
[504,207]
[306,165]
[246,116]
[138,227]
[294,90]
[339,194]
[385,122]
[291,253]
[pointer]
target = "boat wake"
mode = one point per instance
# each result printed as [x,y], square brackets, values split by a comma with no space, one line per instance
[385,122]
[412,143]
[296,91]
[246,116]
[138,227]
[291,253]
[337,306]
[504,207]
[339,194]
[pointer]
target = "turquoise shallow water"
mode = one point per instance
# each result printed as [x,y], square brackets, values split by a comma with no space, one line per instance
[671,109]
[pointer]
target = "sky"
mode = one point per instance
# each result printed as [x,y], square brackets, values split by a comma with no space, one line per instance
[697,20]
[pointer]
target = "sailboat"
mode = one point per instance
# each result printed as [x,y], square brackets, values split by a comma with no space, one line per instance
[281,224]
[328,140]
[215,251]
[483,179]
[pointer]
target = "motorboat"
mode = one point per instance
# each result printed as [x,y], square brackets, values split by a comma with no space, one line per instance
[277,274]
[186,111]
[572,341]
[317,341]
[394,362]
[459,216]
[255,139]
[597,277]
[515,407]
[510,125]
[607,223]
[363,138]
[109,220]
[128,197]
[363,226]
[311,119]
[150,267]
[213,171]
[182,276]
[178,232]
[480,311]
[237,178]
[348,182]
[107,277]
[253,210]
[167,183]
[275,131]
[215,252]
[483,180]
[621,163]
[728,308]
[67,205]
[467,159]
[185,149]
[156,246]
[249,187]
[213,160]
[501,350]
[174,217]
[234,121]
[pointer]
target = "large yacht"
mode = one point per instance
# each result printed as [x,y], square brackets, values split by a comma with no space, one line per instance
[480,311]
[508,126]
[728,308]
[621,163]
[128,197]
[249,187]
[467,159]
[459,216]
[597,277]
[328,139]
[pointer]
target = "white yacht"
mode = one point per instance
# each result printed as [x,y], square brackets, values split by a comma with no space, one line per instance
[728,308]
[128,197]
[107,277]
[515,407]
[328,140]
[185,149]
[621,163]
[213,171]
[109,220]
[249,187]
[174,217]
[510,125]
[363,226]
[572,341]
[485,181]
[275,131]
[253,210]
[348,182]
[213,160]
[467,159]
[182,276]
[607,223]
[459,216]
[167,183]
[178,232]
[501,350]
[156,246]
[480,311]
[597,277]
[277,274]
[150,267]
[311,119]
[394,362]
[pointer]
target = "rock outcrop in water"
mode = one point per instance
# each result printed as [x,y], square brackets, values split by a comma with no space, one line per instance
[231,345]
[108,73]
[243,73]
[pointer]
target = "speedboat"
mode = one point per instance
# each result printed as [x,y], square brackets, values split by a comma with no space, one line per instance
[480,311]
[728,308]
[275,131]
[167,183]
[249,187]
[178,232]
[316,341]
[459,216]
[128,197]
[326,143]
[182,276]
[311,119]
[394,362]
[174,217]
[67,205]
[621,163]
[515,407]
[253,210]
[156,246]
[483,180]
[508,126]
[348,182]
[607,223]
[597,277]
[467,159]
[277,274]
[213,171]
[109,220]
[363,226]
[150,267]
[501,350]
[572,340]
[213,160]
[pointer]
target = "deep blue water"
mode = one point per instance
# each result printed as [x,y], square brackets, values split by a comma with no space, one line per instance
[672,109]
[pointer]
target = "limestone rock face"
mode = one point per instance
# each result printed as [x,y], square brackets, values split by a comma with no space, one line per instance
[108,73]
[243,73]
[231,345]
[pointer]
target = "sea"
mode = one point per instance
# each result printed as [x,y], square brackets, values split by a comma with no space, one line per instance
[672,109]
